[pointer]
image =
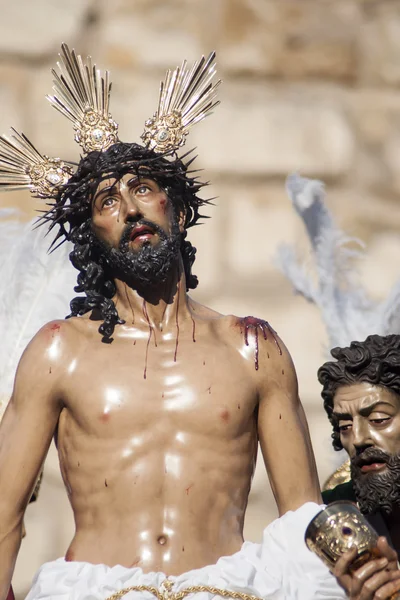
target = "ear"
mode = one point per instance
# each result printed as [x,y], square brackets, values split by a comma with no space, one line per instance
[181,222]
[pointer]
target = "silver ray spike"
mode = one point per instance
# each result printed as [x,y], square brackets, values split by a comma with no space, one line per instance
[187,96]
[82,95]
[23,167]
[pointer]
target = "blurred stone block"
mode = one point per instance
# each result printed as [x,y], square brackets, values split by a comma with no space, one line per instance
[207,237]
[51,132]
[379,40]
[32,29]
[362,214]
[372,110]
[259,218]
[290,38]
[391,155]
[270,131]
[381,250]
[12,88]
[151,34]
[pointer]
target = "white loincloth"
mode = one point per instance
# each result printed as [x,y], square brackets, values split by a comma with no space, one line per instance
[280,568]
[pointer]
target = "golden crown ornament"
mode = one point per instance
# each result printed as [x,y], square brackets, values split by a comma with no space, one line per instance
[23,167]
[82,95]
[186,97]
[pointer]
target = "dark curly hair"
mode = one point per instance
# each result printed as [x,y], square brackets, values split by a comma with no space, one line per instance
[375,361]
[71,211]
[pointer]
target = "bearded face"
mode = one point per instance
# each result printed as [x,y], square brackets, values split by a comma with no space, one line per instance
[368,419]
[137,231]
[376,489]
[148,265]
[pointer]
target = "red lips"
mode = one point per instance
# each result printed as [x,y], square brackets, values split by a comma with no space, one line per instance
[375,466]
[141,230]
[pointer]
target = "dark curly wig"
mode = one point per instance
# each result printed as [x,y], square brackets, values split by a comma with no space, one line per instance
[375,361]
[72,212]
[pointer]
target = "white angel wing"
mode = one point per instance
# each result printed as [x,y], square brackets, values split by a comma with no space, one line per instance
[347,311]
[36,287]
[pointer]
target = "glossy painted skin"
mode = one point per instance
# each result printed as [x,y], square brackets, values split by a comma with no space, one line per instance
[157,432]
[368,416]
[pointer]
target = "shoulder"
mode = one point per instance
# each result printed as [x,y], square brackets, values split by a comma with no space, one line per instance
[62,329]
[46,359]
[54,341]
[260,342]
[259,345]
[204,312]
[253,337]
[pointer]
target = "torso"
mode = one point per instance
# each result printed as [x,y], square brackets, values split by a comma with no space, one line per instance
[157,453]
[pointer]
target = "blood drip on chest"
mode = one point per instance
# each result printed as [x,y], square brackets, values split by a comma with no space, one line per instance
[10,595]
[193,330]
[255,325]
[146,316]
[177,327]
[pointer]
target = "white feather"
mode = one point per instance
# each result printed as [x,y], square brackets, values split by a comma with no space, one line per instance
[347,311]
[36,287]
[296,273]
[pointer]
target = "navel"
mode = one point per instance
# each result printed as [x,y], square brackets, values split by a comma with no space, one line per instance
[162,540]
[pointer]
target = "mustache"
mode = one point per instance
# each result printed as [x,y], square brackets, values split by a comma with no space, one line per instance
[130,227]
[370,455]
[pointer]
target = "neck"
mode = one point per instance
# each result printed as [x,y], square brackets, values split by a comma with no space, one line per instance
[156,306]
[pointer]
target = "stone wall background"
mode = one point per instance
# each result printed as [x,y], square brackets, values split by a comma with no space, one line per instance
[309,85]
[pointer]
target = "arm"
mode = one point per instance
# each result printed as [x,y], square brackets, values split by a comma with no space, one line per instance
[283,431]
[26,431]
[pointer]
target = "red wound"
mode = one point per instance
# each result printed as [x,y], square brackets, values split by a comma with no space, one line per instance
[54,329]
[135,562]
[255,325]
[10,595]
[69,556]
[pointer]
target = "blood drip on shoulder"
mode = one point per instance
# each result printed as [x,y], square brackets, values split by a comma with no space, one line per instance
[53,329]
[254,326]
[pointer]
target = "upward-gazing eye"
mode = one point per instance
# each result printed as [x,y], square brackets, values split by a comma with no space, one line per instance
[142,189]
[108,201]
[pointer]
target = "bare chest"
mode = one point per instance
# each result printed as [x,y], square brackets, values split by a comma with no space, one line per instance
[161,384]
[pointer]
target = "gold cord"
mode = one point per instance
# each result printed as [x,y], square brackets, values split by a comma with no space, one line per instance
[165,592]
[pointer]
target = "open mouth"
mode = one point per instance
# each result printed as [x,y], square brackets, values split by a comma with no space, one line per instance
[141,233]
[372,464]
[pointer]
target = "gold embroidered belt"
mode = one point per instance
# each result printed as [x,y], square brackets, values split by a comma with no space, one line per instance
[164,592]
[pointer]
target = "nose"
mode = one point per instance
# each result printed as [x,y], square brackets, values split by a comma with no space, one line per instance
[132,212]
[361,435]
